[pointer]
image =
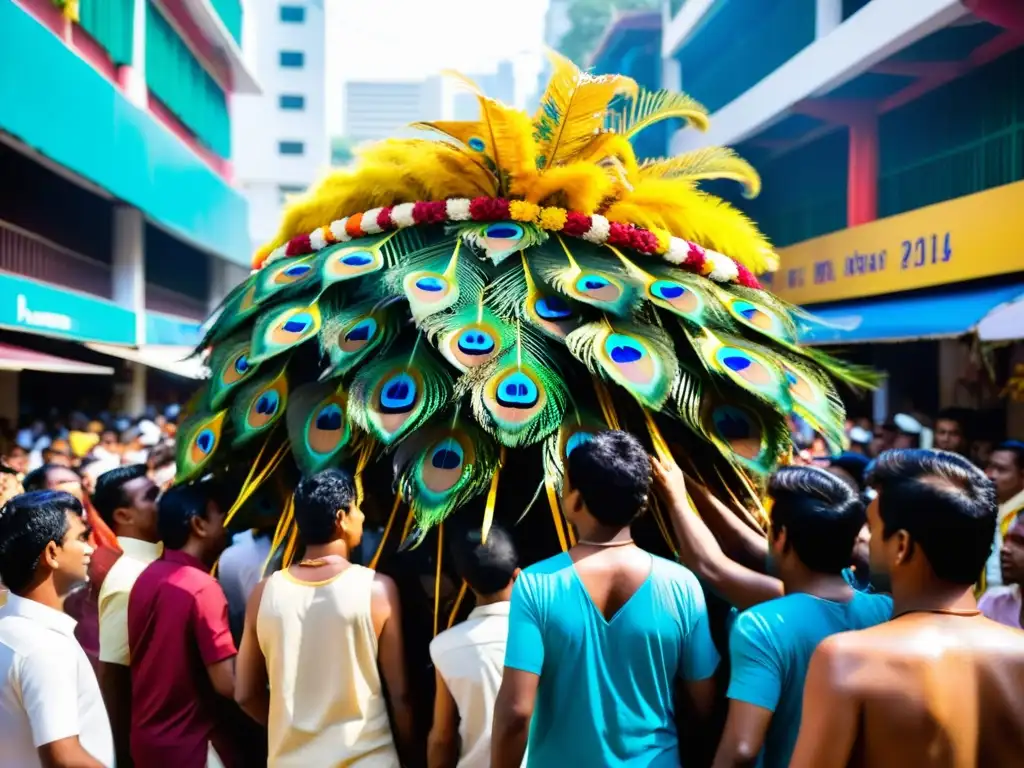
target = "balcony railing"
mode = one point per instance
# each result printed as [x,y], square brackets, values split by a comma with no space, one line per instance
[31,255]
[160,299]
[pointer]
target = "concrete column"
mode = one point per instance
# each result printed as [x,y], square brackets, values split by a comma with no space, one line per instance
[132,77]
[671,74]
[862,181]
[129,276]
[828,14]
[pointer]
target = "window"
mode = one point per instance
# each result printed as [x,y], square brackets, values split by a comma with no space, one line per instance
[291,147]
[287,191]
[295,59]
[292,101]
[293,14]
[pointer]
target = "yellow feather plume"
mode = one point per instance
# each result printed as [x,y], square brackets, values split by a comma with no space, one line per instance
[574,107]
[686,212]
[577,187]
[651,107]
[706,164]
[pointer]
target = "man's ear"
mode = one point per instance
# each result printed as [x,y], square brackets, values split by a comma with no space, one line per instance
[123,516]
[50,555]
[904,547]
[515,574]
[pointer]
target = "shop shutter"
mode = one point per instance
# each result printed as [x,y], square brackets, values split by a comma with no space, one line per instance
[109,23]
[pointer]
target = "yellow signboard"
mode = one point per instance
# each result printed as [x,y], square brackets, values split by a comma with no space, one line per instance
[979,235]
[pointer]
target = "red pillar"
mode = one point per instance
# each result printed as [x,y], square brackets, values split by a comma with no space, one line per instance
[1008,14]
[862,177]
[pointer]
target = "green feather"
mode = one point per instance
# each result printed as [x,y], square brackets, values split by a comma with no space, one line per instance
[230,365]
[586,273]
[639,358]
[258,406]
[284,327]
[497,240]
[393,396]
[348,336]
[198,439]
[442,467]
[318,426]
[471,336]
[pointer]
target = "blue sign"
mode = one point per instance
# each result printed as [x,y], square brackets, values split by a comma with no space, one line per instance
[27,305]
[172,331]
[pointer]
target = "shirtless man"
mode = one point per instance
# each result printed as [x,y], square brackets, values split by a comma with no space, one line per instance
[939,686]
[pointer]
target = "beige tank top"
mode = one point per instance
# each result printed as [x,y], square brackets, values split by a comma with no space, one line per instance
[327,705]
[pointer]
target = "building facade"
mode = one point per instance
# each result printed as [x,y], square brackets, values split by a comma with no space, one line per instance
[119,224]
[890,140]
[280,136]
[376,110]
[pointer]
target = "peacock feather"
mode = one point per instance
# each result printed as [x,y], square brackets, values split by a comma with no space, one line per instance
[474,306]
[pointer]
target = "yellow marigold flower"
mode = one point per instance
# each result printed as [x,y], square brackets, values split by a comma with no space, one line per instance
[664,238]
[520,210]
[552,219]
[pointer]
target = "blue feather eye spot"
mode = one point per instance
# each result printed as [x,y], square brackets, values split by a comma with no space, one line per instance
[362,331]
[736,363]
[738,429]
[267,403]
[398,393]
[297,323]
[476,342]
[745,367]
[297,270]
[242,365]
[504,231]
[476,144]
[791,378]
[357,259]
[591,283]
[431,284]
[755,316]
[626,351]
[517,390]
[576,440]
[205,440]
[330,418]
[552,308]
[668,290]
[448,454]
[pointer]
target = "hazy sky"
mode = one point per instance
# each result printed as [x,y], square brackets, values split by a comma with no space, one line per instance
[412,39]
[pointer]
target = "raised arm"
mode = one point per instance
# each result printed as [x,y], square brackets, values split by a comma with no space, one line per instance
[387,622]
[700,551]
[251,692]
[739,540]
[831,711]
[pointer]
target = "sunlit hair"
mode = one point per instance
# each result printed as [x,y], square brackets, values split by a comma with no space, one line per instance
[946,505]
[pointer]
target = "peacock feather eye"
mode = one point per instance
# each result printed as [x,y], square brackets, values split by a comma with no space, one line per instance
[740,430]
[349,262]
[553,315]
[429,293]
[760,318]
[357,334]
[598,288]
[476,144]
[258,406]
[398,393]
[318,427]
[676,297]
[283,328]
[198,440]
[742,365]
[552,308]
[230,365]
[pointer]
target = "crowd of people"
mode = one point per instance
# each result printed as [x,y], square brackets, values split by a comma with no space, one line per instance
[853,632]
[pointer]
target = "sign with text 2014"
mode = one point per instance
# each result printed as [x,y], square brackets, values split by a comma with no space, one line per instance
[979,235]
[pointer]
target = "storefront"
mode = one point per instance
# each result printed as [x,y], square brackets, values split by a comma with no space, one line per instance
[91,343]
[934,296]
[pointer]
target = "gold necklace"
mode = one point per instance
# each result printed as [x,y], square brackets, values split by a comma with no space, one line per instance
[604,543]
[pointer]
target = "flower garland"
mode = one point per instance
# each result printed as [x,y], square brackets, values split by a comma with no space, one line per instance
[592,228]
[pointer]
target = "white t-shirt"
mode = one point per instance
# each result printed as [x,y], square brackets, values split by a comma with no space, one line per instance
[470,657]
[240,569]
[48,690]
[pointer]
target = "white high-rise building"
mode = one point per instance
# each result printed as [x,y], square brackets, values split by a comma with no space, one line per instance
[280,137]
[384,109]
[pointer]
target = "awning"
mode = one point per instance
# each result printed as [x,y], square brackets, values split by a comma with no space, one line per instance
[163,358]
[1004,323]
[18,359]
[934,316]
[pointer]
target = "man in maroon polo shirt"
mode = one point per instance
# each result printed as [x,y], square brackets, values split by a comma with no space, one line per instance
[182,653]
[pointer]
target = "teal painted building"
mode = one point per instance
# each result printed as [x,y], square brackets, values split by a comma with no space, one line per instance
[119,223]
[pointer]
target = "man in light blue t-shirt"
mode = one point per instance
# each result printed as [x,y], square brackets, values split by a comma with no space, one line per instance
[815,520]
[598,636]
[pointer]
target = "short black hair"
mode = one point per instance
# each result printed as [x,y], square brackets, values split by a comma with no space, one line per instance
[487,568]
[28,522]
[853,464]
[612,472]
[175,510]
[1016,447]
[944,502]
[822,516]
[36,479]
[317,501]
[110,494]
[953,414]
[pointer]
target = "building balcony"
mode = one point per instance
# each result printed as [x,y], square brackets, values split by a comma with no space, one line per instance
[64,111]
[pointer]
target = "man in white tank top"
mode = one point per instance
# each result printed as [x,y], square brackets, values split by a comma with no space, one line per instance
[322,641]
[470,656]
